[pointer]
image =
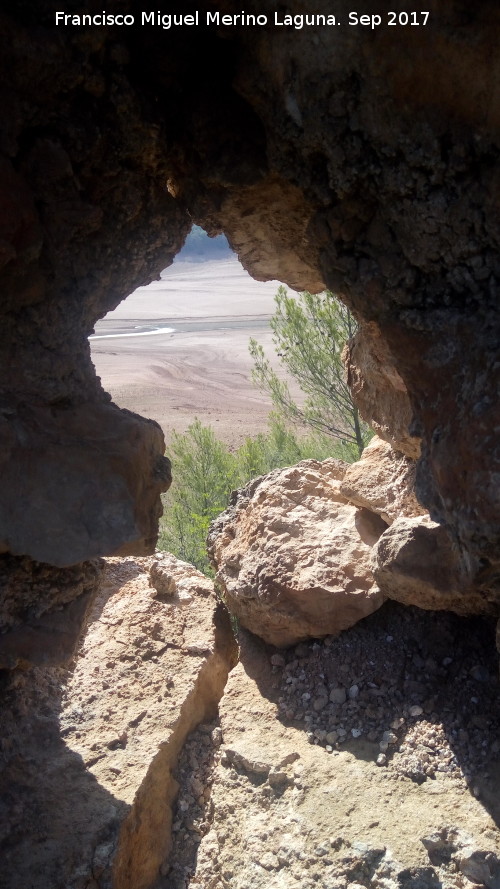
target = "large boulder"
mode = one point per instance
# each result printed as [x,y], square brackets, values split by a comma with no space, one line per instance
[293,555]
[415,563]
[382,480]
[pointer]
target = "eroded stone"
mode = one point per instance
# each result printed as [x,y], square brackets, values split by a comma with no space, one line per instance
[292,555]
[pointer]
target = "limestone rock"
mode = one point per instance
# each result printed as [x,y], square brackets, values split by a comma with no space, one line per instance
[415,563]
[378,389]
[382,480]
[293,556]
[167,581]
[94,750]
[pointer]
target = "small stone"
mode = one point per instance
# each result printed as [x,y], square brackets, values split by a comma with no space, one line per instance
[415,710]
[319,704]
[387,741]
[270,861]
[119,741]
[331,738]
[217,736]
[480,867]
[480,673]
[353,692]
[338,696]
[356,732]
[381,759]
[277,778]
[277,660]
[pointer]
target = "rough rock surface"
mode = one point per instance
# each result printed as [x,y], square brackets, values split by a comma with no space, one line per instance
[42,610]
[89,495]
[87,755]
[382,481]
[378,389]
[415,563]
[365,159]
[282,811]
[293,556]
[122,774]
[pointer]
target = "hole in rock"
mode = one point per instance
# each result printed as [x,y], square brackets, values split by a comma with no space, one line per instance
[178,348]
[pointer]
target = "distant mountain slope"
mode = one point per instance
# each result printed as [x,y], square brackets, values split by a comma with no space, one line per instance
[200,248]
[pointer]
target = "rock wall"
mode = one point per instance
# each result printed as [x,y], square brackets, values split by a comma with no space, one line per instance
[88,754]
[364,160]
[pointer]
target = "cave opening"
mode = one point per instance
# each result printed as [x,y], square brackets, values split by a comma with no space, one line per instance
[177,349]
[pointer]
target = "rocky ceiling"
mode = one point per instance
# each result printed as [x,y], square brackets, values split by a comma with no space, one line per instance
[362,159]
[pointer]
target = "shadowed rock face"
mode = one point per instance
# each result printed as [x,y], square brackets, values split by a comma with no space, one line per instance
[364,161]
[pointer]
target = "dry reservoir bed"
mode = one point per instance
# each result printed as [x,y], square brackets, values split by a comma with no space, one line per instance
[200,365]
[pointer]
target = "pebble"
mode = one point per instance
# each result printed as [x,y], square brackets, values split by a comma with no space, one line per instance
[278,660]
[269,861]
[480,673]
[338,696]
[415,710]
[320,703]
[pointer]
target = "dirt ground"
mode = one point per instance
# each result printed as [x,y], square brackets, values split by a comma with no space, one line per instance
[200,367]
[288,810]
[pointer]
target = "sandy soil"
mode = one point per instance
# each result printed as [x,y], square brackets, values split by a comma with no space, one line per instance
[199,366]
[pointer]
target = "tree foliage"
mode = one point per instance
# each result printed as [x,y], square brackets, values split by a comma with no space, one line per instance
[205,473]
[309,334]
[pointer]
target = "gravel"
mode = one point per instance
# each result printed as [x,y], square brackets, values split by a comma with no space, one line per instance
[420,687]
